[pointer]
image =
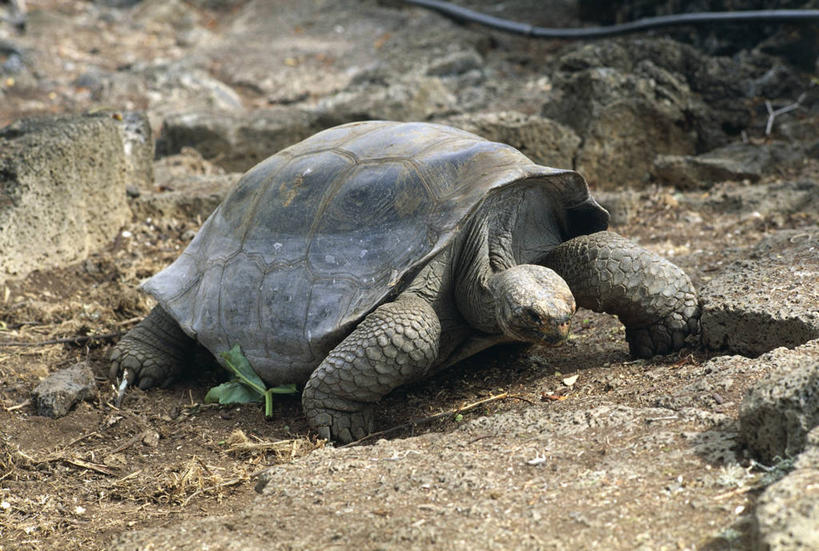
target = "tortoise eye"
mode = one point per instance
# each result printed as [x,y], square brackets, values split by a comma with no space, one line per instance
[532,315]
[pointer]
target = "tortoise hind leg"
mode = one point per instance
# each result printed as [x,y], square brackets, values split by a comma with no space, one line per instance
[654,299]
[154,351]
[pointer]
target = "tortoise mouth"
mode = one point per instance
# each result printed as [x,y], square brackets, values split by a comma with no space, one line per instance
[559,332]
[549,332]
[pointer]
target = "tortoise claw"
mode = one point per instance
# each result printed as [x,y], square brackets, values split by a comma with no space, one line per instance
[336,418]
[152,353]
[665,336]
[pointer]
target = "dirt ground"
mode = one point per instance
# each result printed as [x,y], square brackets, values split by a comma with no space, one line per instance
[163,458]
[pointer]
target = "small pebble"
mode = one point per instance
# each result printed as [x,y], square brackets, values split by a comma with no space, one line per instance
[62,390]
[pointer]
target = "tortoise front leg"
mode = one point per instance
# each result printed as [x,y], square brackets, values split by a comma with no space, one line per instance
[395,344]
[654,299]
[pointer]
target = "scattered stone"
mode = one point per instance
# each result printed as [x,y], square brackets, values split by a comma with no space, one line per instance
[164,87]
[543,140]
[786,516]
[150,438]
[780,410]
[187,187]
[411,98]
[456,63]
[235,142]
[62,390]
[52,169]
[192,198]
[192,86]
[768,300]
[739,161]
[138,146]
[170,169]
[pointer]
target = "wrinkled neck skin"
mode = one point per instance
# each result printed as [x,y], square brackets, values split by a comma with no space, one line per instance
[486,251]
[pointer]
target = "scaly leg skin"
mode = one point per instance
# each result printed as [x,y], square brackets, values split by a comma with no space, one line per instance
[395,344]
[154,351]
[654,299]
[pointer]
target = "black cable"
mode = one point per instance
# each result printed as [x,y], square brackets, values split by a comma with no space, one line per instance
[750,16]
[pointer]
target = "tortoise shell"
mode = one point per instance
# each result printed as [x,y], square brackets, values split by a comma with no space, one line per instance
[315,237]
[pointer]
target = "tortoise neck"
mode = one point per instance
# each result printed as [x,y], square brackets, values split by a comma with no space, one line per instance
[483,254]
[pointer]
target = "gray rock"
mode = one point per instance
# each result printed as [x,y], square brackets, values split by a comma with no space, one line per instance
[163,87]
[117,3]
[625,120]
[187,187]
[62,390]
[633,100]
[779,411]
[801,129]
[192,198]
[184,85]
[769,300]
[235,142]
[411,98]
[739,161]
[773,200]
[543,140]
[217,4]
[171,12]
[52,169]
[786,516]
[138,146]
[456,63]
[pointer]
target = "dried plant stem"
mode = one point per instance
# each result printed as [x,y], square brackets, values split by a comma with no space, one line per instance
[442,415]
[77,339]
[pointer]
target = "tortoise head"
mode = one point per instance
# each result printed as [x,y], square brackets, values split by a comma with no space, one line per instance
[533,304]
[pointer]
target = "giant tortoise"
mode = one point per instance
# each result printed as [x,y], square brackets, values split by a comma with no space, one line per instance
[374,253]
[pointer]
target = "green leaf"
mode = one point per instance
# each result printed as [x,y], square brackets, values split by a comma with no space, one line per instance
[232,392]
[237,364]
[246,386]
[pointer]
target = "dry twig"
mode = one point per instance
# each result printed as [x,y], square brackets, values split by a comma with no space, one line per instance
[77,339]
[219,486]
[442,415]
[773,113]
